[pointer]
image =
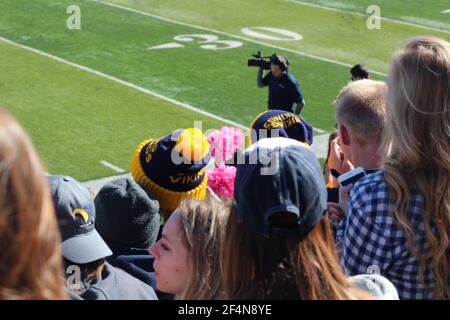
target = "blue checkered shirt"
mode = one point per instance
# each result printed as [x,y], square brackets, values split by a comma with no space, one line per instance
[373,241]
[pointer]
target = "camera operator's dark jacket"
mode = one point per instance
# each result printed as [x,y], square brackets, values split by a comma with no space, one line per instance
[283,91]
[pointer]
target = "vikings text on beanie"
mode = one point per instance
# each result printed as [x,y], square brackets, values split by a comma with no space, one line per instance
[173,167]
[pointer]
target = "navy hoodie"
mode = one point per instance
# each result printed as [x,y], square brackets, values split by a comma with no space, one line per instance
[116,284]
[138,263]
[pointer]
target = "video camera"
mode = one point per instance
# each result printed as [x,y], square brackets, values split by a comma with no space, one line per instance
[264,62]
[259,61]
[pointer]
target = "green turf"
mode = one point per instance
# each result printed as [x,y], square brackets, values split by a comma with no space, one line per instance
[77,119]
[115,41]
[423,12]
[329,34]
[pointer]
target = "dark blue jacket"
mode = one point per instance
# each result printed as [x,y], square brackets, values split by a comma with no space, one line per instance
[283,91]
[116,284]
[138,263]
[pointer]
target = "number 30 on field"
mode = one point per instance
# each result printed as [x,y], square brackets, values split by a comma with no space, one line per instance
[212,42]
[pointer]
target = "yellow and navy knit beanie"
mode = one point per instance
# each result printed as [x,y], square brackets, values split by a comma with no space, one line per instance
[173,167]
[289,125]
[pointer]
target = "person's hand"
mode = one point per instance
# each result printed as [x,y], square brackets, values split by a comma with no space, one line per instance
[335,212]
[344,193]
[338,160]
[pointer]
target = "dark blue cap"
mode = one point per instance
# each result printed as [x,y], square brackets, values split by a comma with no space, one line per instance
[279,175]
[287,124]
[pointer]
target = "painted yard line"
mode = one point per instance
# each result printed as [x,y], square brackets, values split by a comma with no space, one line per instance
[131,85]
[366,15]
[111,166]
[231,35]
[125,83]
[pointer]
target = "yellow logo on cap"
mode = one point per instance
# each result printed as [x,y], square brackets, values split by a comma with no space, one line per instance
[150,149]
[82,213]
[282,120]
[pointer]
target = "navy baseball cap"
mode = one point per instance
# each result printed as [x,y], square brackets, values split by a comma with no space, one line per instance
[279,175]
[289,125]
[75,211]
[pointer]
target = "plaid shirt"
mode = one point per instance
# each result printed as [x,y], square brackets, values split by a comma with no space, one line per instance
[374,243]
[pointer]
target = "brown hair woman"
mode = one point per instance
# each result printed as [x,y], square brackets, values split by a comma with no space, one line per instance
[30,256]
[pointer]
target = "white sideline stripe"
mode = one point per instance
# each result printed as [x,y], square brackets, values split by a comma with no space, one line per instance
[131,85]
[95,185]
[111,166]
[125,83]
[231,35]
[366,15]
[320,145]
[319,130]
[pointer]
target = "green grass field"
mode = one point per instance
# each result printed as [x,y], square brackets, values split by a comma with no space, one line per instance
[426,13]
[77,118]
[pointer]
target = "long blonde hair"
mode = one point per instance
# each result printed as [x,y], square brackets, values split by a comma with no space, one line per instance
[202,229]
[416,144]
[30,256]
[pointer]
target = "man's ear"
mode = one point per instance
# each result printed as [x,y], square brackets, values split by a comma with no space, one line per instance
[344,135]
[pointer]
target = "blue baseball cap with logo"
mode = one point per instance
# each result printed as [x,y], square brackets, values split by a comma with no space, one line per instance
[280,123]
[75,211]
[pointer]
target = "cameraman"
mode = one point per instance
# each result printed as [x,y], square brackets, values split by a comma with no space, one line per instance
[284,90]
